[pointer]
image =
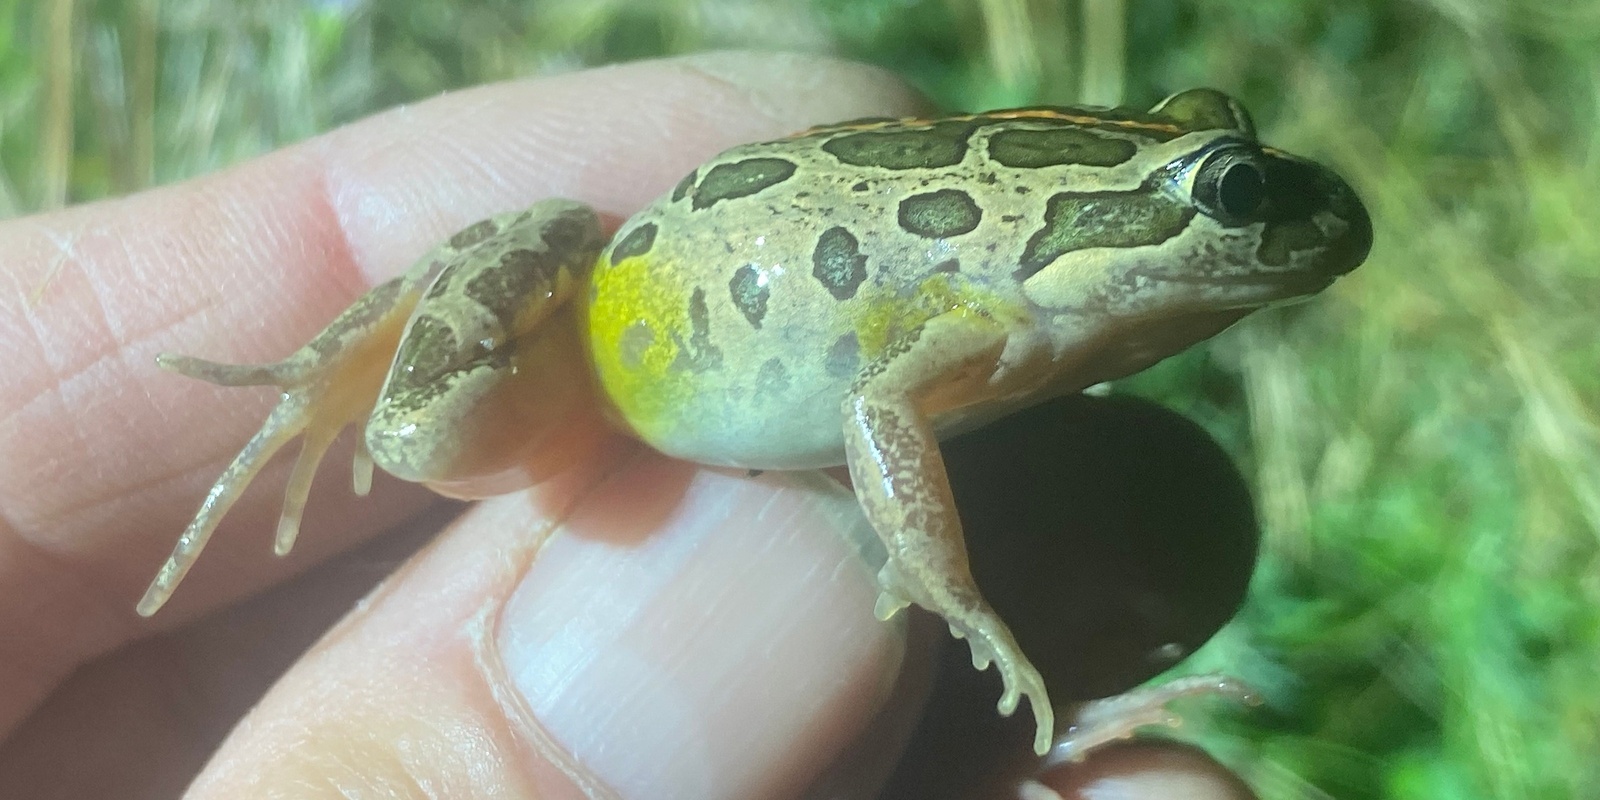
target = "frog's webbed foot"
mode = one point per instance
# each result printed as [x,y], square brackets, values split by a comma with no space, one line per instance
[327,385]
[1112,719]
[988,638]
[900,479]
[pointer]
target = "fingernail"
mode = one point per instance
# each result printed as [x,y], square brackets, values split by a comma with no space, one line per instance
[700,634]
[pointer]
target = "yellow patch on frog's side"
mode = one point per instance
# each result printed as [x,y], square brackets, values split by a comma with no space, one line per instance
[643,336]
[883,316]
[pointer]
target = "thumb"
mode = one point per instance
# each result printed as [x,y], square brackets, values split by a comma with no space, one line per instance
[683,633]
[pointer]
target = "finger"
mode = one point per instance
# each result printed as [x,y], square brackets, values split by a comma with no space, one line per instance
[1141,771]
[148,715]
[102,457]
[684,633]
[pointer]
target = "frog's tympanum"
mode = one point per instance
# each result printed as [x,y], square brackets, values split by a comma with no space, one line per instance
[846,295]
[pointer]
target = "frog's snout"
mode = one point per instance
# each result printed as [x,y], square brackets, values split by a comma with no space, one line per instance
[1350,248]
[1313,210]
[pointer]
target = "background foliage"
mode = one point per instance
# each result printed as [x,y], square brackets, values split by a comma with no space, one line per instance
[1424,441]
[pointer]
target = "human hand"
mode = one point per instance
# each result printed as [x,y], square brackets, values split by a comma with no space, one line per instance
[687,634]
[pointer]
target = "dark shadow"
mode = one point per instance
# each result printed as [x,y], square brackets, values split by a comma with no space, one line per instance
[1114,536]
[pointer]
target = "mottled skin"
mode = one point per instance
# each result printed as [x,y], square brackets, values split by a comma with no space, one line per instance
[847,295]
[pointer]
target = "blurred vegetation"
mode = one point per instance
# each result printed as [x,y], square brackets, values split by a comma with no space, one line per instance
[1424,441]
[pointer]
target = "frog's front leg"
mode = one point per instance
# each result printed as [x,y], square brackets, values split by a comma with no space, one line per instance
[900,479]
[419,350]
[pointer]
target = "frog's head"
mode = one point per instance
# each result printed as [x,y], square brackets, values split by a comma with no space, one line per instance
[1219,226]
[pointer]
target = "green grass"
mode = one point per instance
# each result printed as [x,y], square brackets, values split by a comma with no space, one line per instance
[1424,442]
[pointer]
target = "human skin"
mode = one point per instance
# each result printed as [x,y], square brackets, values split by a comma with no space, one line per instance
[654,646]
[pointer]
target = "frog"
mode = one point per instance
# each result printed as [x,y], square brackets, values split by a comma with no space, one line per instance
[847,295]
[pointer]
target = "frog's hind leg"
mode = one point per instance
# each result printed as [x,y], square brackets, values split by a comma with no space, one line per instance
[327,385]
[900,479]
[494,367]
[497,280]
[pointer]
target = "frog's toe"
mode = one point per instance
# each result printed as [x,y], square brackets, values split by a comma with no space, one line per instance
[1009,700]
[989,640]
[1022,680]
[982,656]
[220,373]
[891,597]
[888,605]
[992,642]
[315,406]
[1113,719]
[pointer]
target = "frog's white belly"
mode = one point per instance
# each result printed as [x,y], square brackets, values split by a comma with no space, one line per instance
[763,423]
[740,427]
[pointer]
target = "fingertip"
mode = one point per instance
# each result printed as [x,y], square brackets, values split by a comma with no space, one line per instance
[1145,771]
[795,90]
[613,137]
[730,651]
[681,632]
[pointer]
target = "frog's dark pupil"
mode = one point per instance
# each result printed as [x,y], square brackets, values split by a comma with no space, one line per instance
[1241,189]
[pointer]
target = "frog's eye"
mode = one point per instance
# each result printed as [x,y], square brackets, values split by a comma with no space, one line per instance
[1231,184]
[1241,189]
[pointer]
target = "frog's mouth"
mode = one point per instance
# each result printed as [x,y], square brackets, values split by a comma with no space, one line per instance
[1262,291]
[1234,296]
[1131,344]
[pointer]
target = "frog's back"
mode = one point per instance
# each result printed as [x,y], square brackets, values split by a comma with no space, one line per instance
[730,318]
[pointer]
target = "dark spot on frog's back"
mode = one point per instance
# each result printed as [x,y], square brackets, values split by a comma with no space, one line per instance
[635,341]
[837,263]
[941,214]
[521,274]
[430,348]
[360,316]
[1028,149]
[1102,219]
[749,294]
[943,144]
[844,356]
[637,242]
[740,179]
[568,233]
[540,263]
[703,355]
[473,234]
[684,186]
[772,378]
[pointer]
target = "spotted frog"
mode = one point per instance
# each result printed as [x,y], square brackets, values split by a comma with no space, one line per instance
[847,295]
